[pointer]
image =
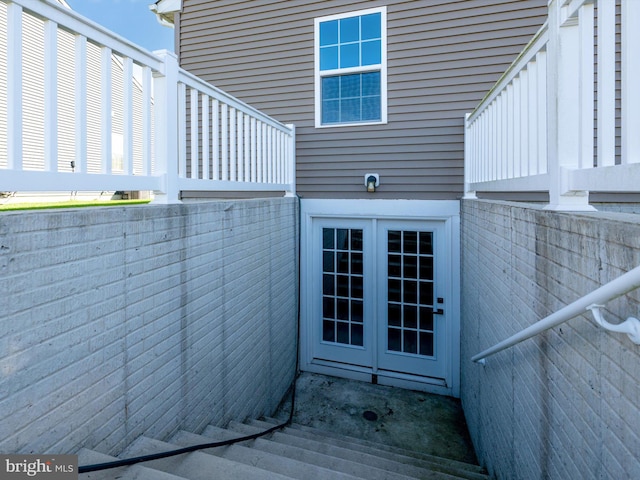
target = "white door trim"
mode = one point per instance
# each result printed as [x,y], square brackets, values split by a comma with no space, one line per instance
[447,211]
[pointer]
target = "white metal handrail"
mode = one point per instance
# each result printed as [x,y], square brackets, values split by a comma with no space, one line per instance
[592,301]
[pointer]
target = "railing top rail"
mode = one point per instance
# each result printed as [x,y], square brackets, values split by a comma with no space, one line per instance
[76,24]
[535,45]
[193,81]
[609,291]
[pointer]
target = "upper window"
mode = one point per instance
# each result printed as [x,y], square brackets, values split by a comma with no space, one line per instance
[350,59]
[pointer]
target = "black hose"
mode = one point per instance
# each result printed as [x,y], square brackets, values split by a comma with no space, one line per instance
[172,453]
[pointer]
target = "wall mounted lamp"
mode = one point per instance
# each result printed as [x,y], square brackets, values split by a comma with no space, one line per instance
[371,181]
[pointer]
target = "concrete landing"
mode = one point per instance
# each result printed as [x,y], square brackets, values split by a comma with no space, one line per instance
[417,421]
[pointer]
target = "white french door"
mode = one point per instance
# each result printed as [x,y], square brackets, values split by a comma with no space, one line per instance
[379,294]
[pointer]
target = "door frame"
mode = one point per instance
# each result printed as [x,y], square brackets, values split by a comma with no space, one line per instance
[445,211]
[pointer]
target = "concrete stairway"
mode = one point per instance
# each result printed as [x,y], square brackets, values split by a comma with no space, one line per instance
[295,452]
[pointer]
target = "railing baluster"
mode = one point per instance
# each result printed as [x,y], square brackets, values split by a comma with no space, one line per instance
[523,136]
[205,136]
[195,152]
[146,121]
[50,96]
[630,13]
[233,152]
[106,110]
[127,125]
[606,82]
[182,130]
[586,32]
[254,166]
[541,60]
[81,104]
[14,87]
[225,142]
[215,120]
[246,138]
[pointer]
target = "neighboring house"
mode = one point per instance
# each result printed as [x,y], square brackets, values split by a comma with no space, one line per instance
[378,91]
[33,105]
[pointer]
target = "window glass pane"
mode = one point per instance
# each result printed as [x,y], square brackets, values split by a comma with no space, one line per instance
[350,110]
[395,342]
[343,332]
[371,84]
[356,263]
[328,333]
[327,262]
[329,33]
[371,26]
[411,242]
[328,58]
[410,291]
[410,341]
[331,111]
[328,287]
[371,53]
[356,287]
[356,311]
[349,55]
[371,108]
[327,238]
[342,242]
[342,309]
[330,88]
[349,29]
[410,316]
[426,344]
[328,307]
[394,241]
[356,240]
[410,267]
[394,315]
[350,86]
[356,335]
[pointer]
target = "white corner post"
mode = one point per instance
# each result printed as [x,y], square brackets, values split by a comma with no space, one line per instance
[566,80]
[165,87]
[291,162]
[468,163]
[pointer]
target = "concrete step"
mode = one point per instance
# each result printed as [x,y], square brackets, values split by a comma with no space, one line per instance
[407,457]
[197,465]
[335,458]
[132,472]
[265,460]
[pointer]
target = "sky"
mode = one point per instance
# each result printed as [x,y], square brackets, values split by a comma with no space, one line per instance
[130,19]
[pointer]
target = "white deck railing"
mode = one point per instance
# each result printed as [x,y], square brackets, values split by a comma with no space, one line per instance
[86,110]
[538,129]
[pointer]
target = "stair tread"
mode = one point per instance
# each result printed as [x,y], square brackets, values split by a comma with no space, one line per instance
[132,472]
[465,470]
[276,463]
[198,465]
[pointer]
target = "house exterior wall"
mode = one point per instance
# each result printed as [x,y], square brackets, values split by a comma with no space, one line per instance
[443,57]
[563,404]
[118,322]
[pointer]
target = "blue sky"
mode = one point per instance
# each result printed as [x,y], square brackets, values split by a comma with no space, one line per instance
[130,19]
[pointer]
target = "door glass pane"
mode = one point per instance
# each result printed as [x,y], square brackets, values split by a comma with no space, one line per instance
[342,286]
[410,292]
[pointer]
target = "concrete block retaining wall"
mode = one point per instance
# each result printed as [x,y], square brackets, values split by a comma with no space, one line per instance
[118,322]
[564,404]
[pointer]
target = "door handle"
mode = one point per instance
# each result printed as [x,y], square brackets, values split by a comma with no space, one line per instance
[436,308]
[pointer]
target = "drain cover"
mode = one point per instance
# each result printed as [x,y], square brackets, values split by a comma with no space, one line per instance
[369,415]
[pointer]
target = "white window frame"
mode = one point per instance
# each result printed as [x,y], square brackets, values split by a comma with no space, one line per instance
[382,68]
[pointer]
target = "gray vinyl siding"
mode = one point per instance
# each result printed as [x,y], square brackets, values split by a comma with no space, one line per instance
[443,57]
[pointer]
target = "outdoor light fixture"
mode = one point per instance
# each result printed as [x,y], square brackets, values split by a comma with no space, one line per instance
[371,181]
